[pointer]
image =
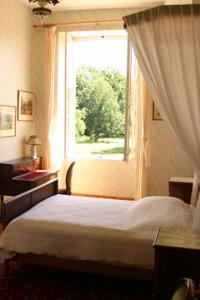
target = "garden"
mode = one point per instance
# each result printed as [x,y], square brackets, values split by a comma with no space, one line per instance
[100,112]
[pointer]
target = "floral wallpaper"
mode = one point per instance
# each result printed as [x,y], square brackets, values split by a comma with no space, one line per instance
[167,159]
[16,70]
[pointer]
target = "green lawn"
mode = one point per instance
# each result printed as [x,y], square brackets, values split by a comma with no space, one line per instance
[105,147]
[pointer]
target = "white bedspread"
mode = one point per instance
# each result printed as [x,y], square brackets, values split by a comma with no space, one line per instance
[95,229]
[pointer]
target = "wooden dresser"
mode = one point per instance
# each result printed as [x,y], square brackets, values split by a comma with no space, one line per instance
[177,255]
[181,187]
[12,168]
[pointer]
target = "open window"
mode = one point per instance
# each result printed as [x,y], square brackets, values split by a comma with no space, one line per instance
[95,91]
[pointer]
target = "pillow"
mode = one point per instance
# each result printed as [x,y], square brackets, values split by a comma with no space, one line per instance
[196,219]
[155,211]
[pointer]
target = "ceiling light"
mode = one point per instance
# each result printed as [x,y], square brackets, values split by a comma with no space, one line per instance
[42,13]
[45,2]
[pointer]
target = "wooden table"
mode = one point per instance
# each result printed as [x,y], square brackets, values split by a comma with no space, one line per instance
[35,178]
[13,168]
[177,255]
[181,187]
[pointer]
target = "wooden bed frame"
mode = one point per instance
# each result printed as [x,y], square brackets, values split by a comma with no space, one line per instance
[23,202]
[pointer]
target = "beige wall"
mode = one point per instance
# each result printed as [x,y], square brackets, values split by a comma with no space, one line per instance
[15,69]
[38,79]
[167,159]
[103,177]
[91,15]
[114,178]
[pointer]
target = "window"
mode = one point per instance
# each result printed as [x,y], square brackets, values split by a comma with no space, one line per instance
[95,93]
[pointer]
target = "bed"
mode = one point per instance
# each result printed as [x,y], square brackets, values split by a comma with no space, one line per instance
[105,236]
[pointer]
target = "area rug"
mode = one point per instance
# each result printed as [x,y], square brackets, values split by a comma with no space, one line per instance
[38,283]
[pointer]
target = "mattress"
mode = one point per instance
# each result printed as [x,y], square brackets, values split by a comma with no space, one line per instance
[103,230]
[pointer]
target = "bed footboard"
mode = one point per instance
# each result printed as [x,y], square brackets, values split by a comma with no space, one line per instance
[19,204]
[103,268]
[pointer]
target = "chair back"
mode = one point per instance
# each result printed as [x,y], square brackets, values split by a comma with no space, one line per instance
[68,179]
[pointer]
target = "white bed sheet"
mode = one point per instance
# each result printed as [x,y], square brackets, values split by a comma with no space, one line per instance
[114,231]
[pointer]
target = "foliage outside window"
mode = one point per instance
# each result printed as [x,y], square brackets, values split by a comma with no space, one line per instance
[100,103]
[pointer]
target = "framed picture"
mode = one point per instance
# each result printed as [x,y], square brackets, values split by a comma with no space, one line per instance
[7,121]
[156,114]
[26,106]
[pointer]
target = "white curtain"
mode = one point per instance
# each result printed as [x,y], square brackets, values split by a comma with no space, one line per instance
[53,119]
[132,108]
[67,100]
[70,87]
[144,161]
[166,41]
[138,114]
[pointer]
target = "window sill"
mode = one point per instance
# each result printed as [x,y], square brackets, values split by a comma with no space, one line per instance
[96,157]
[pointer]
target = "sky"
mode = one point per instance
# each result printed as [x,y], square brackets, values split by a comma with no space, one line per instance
[103,53]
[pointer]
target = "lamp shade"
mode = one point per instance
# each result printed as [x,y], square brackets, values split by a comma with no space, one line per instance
[33,140]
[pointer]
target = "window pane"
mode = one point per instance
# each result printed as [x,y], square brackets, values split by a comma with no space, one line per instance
[100,61]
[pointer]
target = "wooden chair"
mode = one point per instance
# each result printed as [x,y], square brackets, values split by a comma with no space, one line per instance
[68,180]
[184,290]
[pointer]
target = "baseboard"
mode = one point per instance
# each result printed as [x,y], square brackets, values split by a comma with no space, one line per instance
[103,196]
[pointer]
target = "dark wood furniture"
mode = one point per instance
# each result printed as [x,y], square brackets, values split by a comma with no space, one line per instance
[13,168]
[177,255]
[35,178]
[181,187]
[21,203]
[68,180]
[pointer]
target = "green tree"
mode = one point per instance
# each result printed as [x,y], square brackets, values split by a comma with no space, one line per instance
[80,122]
[84,76]
[118,84]
[103,118]
[99,97]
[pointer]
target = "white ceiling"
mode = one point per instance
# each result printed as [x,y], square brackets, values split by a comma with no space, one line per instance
[104,4]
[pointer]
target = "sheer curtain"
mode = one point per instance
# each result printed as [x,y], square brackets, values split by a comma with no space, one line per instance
[70,87]
[53,117]
[138,115]
[67,100]
[167,46]
[137,142]
[59,97]
[145,149]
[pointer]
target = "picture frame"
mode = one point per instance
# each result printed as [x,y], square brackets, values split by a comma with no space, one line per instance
[26,106]
[156,114]
[7,121]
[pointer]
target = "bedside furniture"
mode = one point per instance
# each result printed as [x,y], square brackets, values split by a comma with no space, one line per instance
[177,255]
[35,178]
[12,168]
[181,187]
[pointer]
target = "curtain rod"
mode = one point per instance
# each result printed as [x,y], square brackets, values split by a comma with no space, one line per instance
[79,23]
